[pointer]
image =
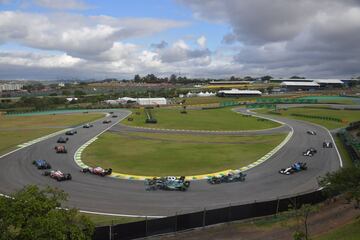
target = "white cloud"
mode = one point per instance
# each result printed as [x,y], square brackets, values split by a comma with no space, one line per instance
[201,41]
[77,35]
[284,36]
[62,4]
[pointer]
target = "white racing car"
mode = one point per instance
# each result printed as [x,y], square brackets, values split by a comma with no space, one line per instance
[327,144]
[309,152]
[296,167]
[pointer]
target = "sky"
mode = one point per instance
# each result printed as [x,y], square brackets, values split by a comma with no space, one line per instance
[97,39]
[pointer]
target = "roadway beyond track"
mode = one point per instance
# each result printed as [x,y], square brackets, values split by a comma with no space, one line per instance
[110,195]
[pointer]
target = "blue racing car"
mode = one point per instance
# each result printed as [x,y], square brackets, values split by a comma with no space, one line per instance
[41,164]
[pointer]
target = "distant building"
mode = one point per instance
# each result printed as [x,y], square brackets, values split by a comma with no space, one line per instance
[71,99]
[228,82]
[329,83]
[10,87]
[200,94]
[140,101]
[238,93]
[151,101]
[297,86]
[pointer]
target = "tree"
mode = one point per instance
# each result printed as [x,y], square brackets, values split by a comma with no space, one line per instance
[266,78]
[296,77]
[301,216]
[346,181]
[79,93]
[34,213]
[137,78]
[173,78]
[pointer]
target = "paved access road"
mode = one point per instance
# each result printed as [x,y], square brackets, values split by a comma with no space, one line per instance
[110,195]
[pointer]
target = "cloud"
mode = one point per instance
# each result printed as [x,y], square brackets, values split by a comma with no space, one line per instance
[162,44]
[201,41]
[76,35]
[62,4]
[289,36]
[180,51]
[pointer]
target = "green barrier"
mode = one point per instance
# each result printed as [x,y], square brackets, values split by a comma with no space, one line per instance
[228,104]
[286,100]
[316,117]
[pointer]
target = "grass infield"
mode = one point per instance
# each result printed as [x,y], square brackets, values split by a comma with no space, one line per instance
[176,154]
[346,115]
[212,119]
[15,130]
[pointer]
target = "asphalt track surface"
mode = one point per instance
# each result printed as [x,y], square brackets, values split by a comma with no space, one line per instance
[115,196]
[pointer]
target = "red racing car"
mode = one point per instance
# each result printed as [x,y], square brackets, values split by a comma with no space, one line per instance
[97,171]
[60,149]
[58,175]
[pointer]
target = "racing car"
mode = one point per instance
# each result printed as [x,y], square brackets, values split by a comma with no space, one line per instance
[309,152]
[167,183]
[87,125]
[114,116]
[327,144]
[58,175]
[71,132]
[296,167]
[62,140]
[107,121]
[41,164]
[60,149]
[311,132]
[97,171]
[233,176]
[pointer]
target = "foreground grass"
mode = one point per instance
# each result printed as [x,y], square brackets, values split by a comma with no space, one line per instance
[349,231]
[346,115]
[15,130]
[104,220]
[214,119]
[176,154]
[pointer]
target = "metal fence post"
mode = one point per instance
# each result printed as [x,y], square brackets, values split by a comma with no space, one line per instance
[110,232]
[204,217]
[146,226]
[176,221]
[229,213]
[277,206]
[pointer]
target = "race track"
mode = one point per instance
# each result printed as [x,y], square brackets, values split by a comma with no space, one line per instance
[110,195]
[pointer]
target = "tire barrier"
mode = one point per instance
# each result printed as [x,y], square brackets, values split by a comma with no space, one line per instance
[204,218]
[317,117]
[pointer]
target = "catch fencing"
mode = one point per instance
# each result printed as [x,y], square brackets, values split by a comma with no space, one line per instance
[204,218]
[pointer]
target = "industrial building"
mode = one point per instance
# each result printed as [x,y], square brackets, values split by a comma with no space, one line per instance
[299,86]
[10,87]
[238,93]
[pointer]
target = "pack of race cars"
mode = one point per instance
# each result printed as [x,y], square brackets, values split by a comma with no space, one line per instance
[170,183]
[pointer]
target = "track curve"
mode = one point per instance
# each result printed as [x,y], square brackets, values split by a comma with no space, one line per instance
[109,195]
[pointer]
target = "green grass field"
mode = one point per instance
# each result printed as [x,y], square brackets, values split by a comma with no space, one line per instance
[104,220]
[15,130]
[349,231]
[176,154]
[346,115]
[213,119]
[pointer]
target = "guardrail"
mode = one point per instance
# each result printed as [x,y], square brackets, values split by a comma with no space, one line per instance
[204,218]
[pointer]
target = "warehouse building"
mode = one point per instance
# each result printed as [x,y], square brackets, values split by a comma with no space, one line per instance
[299,86]
[238,93]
